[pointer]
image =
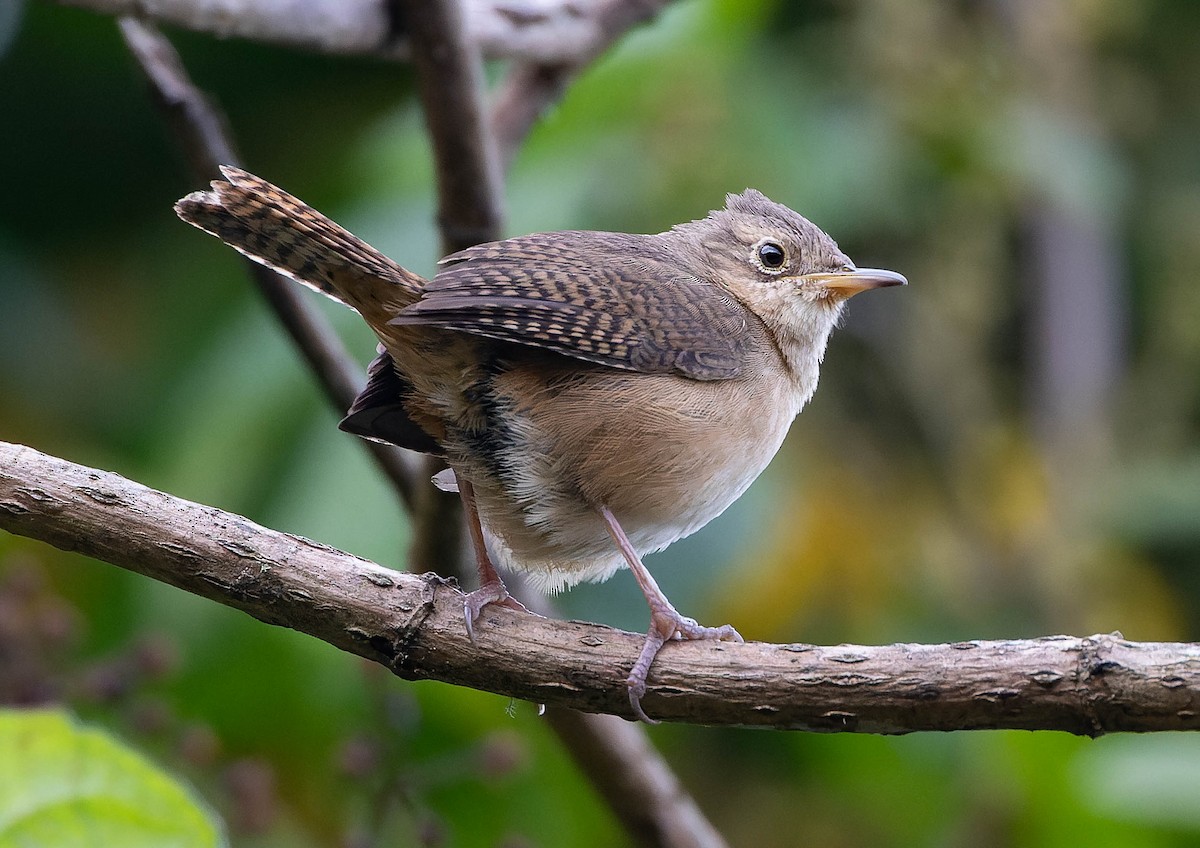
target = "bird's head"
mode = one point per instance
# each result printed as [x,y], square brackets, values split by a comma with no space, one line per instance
[780,265]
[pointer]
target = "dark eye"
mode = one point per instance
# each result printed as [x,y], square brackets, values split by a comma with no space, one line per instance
[770,255]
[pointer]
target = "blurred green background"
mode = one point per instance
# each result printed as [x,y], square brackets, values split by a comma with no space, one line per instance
[1007,448]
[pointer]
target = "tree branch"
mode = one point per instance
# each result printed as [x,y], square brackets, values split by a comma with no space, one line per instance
[537,30]
[450,84]
[632,776]
[535,84]
[470,204]
[413,625]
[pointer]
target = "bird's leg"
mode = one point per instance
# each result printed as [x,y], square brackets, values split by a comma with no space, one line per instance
[491,588]
[665,621]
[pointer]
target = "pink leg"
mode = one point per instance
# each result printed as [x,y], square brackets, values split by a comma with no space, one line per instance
[491,588]
[665,621]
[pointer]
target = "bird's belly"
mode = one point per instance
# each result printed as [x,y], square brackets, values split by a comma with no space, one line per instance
[687,502]
[666,456]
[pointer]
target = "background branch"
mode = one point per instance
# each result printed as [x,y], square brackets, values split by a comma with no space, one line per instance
[539,30]
[413,625]
[450,85]
[537,83]
[639,785]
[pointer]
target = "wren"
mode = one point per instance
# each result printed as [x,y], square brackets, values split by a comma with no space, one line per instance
[595,396]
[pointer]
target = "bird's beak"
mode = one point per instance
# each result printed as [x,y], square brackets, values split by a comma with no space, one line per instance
[846,284]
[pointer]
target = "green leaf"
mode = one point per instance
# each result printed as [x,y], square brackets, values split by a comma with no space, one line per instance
[66,785]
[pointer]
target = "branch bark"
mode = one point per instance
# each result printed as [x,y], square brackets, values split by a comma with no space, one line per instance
[413,625]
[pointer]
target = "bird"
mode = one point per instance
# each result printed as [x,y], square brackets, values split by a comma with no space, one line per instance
[595,396]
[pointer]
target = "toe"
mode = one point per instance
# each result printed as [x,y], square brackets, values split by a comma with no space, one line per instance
[489,593]
[636,691]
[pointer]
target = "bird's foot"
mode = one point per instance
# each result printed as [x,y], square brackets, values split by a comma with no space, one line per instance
[667,624]
[490,592]
[665,621]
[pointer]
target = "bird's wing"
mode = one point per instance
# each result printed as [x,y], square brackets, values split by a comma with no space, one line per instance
[615,299]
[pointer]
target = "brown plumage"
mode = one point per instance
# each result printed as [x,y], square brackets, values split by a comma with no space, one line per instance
[597,395]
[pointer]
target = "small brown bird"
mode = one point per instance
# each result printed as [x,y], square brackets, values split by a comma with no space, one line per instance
[595,396]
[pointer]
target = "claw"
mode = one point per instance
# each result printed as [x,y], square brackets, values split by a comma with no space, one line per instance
[665,621]
[667,624]
[491,588]
[491,592]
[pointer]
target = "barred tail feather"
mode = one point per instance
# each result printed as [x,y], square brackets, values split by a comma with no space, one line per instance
[275,229]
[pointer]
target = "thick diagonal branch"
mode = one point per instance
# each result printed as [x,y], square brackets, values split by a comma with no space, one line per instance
[413,625]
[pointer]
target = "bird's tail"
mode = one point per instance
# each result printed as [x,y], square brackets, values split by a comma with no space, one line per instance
[274,228]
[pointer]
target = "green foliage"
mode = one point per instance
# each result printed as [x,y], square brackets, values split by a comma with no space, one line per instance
[65,785]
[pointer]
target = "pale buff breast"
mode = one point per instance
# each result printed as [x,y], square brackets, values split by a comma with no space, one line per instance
[666,455]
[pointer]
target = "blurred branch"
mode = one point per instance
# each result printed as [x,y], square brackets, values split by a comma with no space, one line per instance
[450,84]
[413,625]
[628,771]
[536,30]
[1076,270]
[206,144]
[536,83]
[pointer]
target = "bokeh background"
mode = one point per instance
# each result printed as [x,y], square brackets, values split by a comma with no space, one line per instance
[1010,447]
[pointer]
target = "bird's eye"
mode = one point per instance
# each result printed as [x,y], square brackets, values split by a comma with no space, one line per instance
[771,255]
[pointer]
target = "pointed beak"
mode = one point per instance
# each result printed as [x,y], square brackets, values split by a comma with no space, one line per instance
[846,284]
